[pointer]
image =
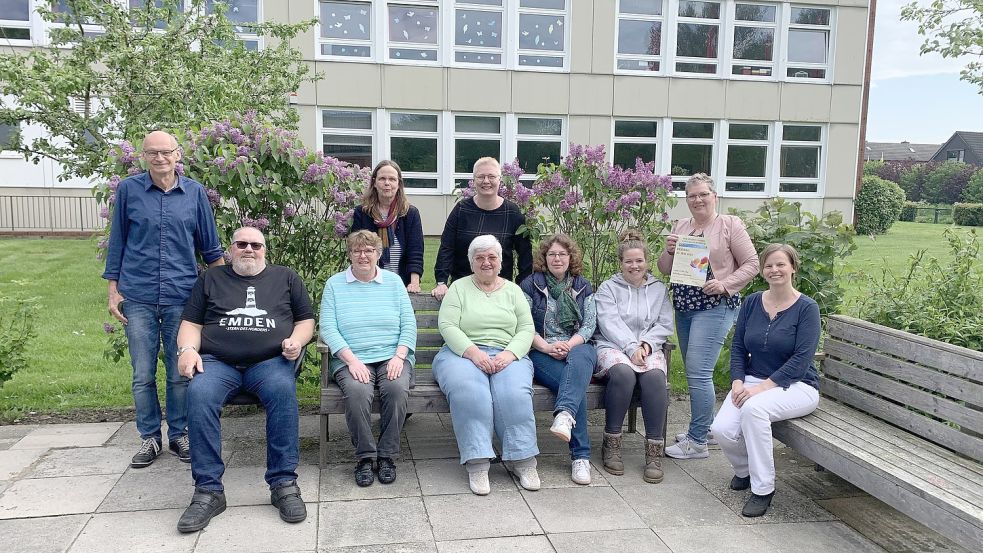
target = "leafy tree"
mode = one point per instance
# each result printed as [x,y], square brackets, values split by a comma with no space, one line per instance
[952,28]
[114,72]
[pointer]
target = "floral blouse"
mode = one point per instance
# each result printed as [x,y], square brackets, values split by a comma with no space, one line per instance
[692,298]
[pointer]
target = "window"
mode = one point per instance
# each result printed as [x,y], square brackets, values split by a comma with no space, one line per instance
[692,150]
[639,35]
[538,140]
[414,28]
[955,155]
[478,28]
[754,39]
[697,35]
[414,144]
[143,4]
[347,136]
[747,157]
[15,20]
[801,152]
[634,139]
[345,29]
[7,133]
[808,43]
[243,14]
[475,136]
[542,33]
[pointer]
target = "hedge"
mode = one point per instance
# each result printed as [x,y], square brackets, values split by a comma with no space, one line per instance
[878,205]
[970,215]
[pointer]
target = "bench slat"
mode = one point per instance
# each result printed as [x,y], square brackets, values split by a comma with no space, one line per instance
[426,320]
[904,394]
[923,377]
[424,302]
[429,340]
[924,351]
[939,433]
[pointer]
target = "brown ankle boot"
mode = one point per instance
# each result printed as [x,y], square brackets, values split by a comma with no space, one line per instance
[611,454]
[654,450]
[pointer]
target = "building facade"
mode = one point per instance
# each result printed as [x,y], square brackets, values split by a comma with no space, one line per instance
[766,97]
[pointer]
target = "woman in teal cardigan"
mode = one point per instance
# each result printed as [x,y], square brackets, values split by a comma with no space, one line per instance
[368,324]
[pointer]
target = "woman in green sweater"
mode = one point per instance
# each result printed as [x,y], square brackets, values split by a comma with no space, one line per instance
[483,369]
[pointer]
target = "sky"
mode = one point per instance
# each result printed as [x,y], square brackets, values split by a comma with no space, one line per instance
[913,97]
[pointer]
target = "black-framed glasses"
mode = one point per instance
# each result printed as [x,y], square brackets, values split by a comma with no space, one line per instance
[161,153]
[242,244]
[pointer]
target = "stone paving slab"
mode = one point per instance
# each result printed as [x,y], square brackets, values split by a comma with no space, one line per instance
[258,529]
[635,467]
[145,490]
[40,535]
[442,446]
[611,541]
[554,472]
[13,462]
[11,434]
[817,537]
[467,516]
[247,486]
[134,531]
[82,462]
[516,544]
[421,547]
[373,522]
[581,509]
[68,435]
[338,483]
[788,505]
[716,539]
[677,502]
[448,476]
[55,496]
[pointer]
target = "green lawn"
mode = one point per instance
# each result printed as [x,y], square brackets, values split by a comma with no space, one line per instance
[67,370]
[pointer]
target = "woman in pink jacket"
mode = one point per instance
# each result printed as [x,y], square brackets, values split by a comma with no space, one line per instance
[704,315]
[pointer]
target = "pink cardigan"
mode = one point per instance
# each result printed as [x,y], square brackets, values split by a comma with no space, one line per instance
[732,256]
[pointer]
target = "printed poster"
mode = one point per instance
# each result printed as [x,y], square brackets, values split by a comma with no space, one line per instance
[691,262]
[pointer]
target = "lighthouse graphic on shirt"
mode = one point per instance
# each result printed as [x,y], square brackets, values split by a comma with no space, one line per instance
[249,317]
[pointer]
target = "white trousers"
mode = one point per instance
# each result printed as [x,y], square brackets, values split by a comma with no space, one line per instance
[744,433]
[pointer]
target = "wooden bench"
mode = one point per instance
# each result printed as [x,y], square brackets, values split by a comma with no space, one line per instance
[900,418]
[425,396]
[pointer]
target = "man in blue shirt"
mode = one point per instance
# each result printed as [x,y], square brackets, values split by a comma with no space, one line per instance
[160,220]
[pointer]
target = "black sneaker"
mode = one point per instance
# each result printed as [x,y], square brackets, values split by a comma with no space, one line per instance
[148,453]
[364,476]
[757,505]
[204,505]
[740,483]
[181,448]
[286,498]
[387,470]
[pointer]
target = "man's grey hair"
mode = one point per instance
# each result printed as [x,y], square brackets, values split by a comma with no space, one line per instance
[240,229]
[483,243]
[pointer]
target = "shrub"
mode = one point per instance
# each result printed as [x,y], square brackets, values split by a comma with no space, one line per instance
[945,183]
[974,190]
[913,181]
[909,210]
[969,215]
[17,329]
[872,167]
[878,205]
[893,170]
[942,301]
[819,241]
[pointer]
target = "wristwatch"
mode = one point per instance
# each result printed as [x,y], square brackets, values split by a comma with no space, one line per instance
[183,349]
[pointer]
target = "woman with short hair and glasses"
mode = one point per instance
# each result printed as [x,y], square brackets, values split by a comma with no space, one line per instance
[705,314]
[368,325]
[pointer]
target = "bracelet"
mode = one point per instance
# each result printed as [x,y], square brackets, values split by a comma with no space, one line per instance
[183,349]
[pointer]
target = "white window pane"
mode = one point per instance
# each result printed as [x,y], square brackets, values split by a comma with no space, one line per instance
[626,154]
[417,155]
[351,149]
[638,65]
[544,4]
[541,127]
[540,32]
[15,10]
[635,129]
[15,33]
[6,134]
[689,159]
[419,122]
[531,153]
[413,182]
[798,187]
[706,10]
[800,161]
[477,124]
[807,46]
[414,24]
[754,43]
[482,2]
[335,119]
[467,151]
[692,130]
[810,16]
[802,133]
[639,37]
[643,7]
[744,187]
[697,41]
[745,131]
[345,50]
[413,54]
[478,57]
[746,161]
[541,61]
[346,20]
[755,12]
[478,28]
[239,11]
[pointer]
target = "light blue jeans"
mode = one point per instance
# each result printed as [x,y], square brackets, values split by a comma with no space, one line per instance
[701,335]
[485,403]
[148,327]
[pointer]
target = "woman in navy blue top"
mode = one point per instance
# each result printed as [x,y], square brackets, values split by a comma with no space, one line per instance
[386,211]
[773,375]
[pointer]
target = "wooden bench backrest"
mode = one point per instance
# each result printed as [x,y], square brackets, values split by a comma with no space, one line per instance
[428,338]
[930,388]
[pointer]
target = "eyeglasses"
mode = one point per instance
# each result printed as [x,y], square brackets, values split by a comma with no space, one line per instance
[700,196]
[492,178]
[160,153]
[558,255]
[242,244]
[368,252]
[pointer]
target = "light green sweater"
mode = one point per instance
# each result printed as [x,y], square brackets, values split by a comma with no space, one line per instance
[501,319]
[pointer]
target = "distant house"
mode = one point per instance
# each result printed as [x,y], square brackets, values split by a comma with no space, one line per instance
[962,146]
[899,151]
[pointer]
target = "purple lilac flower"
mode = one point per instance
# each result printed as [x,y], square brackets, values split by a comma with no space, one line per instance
[341,230]
[262,223]
[111,200]
[179,168]
[113,183]
[242,151]
[513,170]
[595,154]
[214,198]
[611,206]
[108,328]
[134,170]
[522,194]
[227,256]
[289,211]
[103,243]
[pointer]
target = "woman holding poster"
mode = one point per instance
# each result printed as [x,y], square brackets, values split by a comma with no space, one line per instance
[714,250]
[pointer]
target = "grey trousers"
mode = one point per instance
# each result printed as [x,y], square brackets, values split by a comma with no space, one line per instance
[358,409]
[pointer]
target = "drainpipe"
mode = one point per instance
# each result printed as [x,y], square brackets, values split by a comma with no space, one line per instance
[871,13]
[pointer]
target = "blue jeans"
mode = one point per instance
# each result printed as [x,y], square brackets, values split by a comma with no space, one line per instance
[484,403]
[701,335]
[273,382]
[569,379]
[148,326]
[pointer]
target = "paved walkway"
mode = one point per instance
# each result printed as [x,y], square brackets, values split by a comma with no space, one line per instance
[70,488]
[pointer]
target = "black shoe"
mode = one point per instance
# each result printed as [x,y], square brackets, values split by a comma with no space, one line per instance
[739,483]
[387,470]
[286,498]
[181,448]
[204,506]
[364,476]
[757,505]
[148,453]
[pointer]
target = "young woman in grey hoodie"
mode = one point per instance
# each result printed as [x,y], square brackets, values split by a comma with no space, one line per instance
[634,319]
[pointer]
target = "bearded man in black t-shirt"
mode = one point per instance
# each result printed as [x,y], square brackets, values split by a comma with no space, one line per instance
[244,328]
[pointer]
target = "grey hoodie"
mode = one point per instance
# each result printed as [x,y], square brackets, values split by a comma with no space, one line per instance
[628,316]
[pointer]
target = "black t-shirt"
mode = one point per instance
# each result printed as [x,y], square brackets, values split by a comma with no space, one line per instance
[246,319]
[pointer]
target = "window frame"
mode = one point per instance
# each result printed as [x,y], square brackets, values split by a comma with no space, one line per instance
[243,37]
[515,54]
[320,41]
[455,135]
[512,153]
[439,47]
[655,141]
[663,19]
[777,46]
[450,25]
[385,142]
[371,133]
[770,147]
[31,25]
[666,157]
[723,30]
[788,26]
[820,178]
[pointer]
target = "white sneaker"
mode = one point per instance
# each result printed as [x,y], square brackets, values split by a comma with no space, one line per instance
[580,471]
[528,476]
[563,423]
[710,439]
[479,482]
[687,449]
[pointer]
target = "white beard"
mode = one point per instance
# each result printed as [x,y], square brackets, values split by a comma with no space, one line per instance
[248,266]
